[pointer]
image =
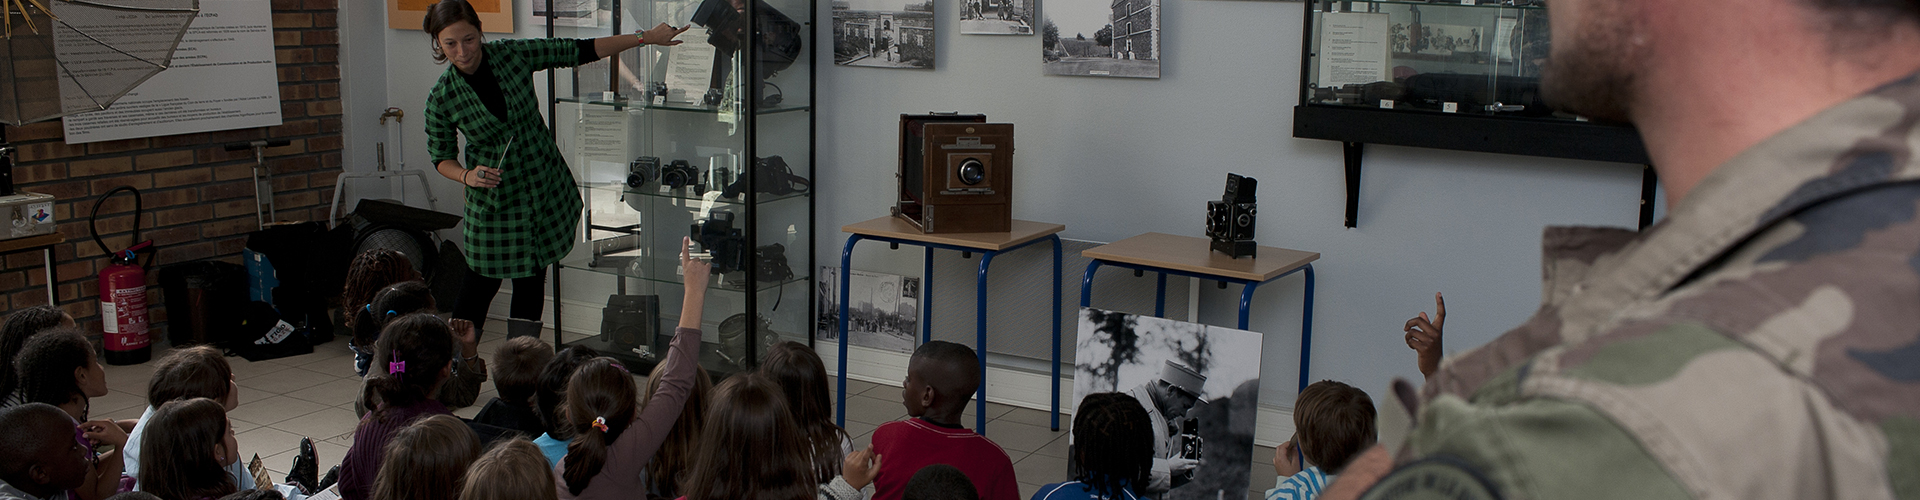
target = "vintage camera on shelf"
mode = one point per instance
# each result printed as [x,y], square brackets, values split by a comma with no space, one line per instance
[734,337]
[956,174]
[679,174]
[771,175]
[1230,220]
[721,240]
[778,42]
[642,170]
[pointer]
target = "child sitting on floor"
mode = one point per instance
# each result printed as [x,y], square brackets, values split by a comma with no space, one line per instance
[751,448]
[14,332]
[941,378]
[40,456]
[427,460]
[1333,423]
[552,392]
[800,373]
[187,373]
[371,271]
[402,299]
[940,482]
[669,465]
[512,470]
[516,374]
[412,360]
[188,452]
[1113,443]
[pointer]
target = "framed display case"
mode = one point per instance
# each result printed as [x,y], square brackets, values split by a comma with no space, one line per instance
[711,139]
[1461,75]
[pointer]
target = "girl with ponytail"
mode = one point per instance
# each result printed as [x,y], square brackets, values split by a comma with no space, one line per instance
[412,360]
[399,300]
[613,439]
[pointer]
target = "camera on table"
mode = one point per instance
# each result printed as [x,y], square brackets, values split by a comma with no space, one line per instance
[642,170]
[1230,220]
[679,174]
[717,236]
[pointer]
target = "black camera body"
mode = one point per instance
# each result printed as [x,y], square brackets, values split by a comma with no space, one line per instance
[771,175]
[1230,220]
[642,170]
[678,174]
[717,235]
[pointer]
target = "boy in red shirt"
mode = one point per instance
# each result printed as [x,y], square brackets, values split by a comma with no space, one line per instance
[941,379]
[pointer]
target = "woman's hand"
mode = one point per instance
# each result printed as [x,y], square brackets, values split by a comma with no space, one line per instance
[663,35]
[481,176]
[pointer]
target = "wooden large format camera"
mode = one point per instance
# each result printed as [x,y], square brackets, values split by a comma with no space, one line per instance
[956,174]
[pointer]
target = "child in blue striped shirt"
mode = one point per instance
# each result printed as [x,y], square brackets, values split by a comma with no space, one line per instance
[1333,422]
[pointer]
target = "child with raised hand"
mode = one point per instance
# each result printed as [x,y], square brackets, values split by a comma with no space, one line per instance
[803,378]
[512,470]
[1113,442]
[611,440]
[1333,423]
[516,375]
[187,373]
[412,360]
[427,460]
[370,272]
[401,299]
[941,379]
[14,332]
[751,448]
[188,454]
[551,393]
[669,466]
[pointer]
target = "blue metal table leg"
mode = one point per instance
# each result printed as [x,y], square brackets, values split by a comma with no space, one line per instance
[846,278]
[1306,328]
[1086,283]
[1246,301]
[926,299]
[980,340]
[1160,297]
[1056,331]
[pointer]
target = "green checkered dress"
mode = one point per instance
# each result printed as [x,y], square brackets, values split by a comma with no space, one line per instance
[528,222]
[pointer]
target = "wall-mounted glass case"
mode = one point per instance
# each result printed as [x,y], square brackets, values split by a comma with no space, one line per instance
[711,139]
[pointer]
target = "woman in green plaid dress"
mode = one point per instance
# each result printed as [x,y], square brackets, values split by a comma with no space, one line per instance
[522,204]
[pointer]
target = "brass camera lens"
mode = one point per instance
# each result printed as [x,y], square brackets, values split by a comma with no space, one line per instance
[972,171]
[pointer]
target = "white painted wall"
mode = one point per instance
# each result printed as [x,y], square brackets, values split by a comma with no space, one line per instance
[1114,158]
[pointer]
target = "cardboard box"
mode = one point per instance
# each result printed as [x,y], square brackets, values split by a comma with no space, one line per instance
[31,214]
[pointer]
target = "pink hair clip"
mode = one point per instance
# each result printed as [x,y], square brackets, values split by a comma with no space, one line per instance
[600,423]
[394,367]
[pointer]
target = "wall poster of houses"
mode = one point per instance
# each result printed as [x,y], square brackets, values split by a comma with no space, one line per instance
[884,33]
[1105,38]
[997,17]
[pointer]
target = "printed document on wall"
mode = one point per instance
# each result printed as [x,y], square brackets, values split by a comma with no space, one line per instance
[231,43]
[1353,48]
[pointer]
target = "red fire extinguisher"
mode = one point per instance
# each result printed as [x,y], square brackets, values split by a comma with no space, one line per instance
[123,292]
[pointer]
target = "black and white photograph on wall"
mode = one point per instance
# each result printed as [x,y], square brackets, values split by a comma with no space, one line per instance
[1105,38]
[883,309]
[578,13]
[997,17]
[883,33]
[1199,385]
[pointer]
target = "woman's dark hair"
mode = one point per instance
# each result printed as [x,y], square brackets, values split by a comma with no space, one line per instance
[20,326]
[600,389]
[1113,438]
[180,462]
[553,387]
[370,272]
[443,14]
[47,362]
[803,378]
[670,463]
[192,372]
[408,360]
[427,460]
[392,301]
[750,447]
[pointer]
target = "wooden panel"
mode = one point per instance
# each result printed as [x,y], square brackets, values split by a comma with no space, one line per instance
[896,228]
[1191,254]
[16,245]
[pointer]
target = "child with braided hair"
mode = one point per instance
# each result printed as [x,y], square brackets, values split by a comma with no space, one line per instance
[1113,443]
[402,299]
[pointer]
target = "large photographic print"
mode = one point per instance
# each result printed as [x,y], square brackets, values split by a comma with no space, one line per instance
[1199,384]
[1107,38]
[996,17]
[883,309]
[883,33]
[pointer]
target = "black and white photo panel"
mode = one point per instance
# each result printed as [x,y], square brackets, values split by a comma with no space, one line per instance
[1104,38]
[883,33]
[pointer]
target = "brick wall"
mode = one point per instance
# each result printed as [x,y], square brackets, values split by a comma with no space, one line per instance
[198,199]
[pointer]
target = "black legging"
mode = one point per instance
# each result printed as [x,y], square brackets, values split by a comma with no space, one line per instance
[476,296]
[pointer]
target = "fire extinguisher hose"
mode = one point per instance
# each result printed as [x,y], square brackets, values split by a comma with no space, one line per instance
[94,217]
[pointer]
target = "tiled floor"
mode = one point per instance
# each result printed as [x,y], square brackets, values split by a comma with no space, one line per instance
[285,399]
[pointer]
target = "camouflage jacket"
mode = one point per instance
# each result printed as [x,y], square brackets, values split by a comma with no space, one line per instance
[1761,342]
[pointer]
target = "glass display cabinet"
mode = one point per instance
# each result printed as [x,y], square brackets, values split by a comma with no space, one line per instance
[711,139]
[1461,75]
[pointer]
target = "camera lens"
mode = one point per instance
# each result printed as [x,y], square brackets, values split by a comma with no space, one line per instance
[972,171]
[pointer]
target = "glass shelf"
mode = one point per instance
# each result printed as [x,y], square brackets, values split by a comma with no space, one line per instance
[653,190]
[685,107]
[663,270]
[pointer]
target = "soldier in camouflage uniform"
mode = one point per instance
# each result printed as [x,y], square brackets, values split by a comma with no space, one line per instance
[1761,342]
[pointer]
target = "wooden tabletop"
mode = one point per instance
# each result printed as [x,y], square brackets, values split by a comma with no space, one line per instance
[15,245]
[897,228]
[1191,254]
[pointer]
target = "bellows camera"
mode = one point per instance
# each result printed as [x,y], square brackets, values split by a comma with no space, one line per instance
[1230,220]
[956,174]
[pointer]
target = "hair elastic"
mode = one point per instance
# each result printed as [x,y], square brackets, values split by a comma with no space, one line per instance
[396,367]
[600,423]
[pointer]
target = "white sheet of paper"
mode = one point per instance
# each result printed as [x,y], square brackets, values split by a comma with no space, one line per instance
[231,42]
[1353,48]
[1503,38]
[689,67]
[600,143]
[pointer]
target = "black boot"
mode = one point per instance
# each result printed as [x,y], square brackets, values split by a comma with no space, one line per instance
[517,327]
[333,476]
[305,471]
